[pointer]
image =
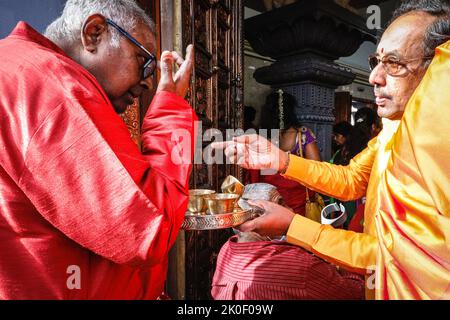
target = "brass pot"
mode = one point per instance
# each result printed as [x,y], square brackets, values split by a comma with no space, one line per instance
[232,185]
[221,203]
[197,200]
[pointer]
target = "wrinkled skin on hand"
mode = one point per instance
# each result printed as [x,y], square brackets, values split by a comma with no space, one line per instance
[179,82]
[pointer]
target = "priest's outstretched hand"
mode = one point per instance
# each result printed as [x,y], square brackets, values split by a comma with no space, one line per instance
[254,152]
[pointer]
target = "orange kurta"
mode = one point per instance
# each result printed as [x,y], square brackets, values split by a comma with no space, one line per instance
[413,220]
[354,251]
[406,176]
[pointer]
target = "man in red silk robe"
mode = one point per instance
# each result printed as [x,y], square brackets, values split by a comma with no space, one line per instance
[83,213]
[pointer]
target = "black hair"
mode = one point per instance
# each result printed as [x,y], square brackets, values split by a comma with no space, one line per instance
[365,116]
[249,113]
[270,118]
[439,31]
[344,128]
[249,117]
[361,134]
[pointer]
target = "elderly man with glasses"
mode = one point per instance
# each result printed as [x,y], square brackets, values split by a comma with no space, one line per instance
[403,172]
[85,214]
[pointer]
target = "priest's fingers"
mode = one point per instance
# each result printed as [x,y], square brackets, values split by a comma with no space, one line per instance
[222,145]
[259,203]
[268,206]
[248,226]
[247,138]
[230,151]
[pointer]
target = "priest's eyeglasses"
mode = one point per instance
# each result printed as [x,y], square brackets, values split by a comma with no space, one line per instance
[393,65]
[149,67]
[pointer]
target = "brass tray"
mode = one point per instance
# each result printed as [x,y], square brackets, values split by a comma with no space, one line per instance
[216,221]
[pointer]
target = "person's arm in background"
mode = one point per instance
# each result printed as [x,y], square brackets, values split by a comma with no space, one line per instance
[311,149]
[312,152]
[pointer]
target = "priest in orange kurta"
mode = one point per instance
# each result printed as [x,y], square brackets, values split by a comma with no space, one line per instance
[408,239]
[77,196]
[413,220]
[404,172]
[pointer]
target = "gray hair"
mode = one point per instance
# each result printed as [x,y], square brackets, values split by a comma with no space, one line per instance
[66,30]
[439,31]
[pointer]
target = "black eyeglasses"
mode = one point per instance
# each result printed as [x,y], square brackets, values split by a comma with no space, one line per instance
[149,67]
[392,65]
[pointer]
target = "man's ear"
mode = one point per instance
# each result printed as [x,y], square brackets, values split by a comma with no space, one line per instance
[94,30]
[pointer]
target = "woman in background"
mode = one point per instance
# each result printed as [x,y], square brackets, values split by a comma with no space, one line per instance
[341,132]
[279,113]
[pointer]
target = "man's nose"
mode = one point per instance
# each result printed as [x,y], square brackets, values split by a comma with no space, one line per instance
[378,76]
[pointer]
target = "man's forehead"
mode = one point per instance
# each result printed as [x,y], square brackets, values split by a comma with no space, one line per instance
[146,37]
[382,51]
[406,33]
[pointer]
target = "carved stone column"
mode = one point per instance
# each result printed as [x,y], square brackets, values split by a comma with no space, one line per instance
[305,38]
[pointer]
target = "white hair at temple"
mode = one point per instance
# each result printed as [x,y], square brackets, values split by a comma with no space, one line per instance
[66,30]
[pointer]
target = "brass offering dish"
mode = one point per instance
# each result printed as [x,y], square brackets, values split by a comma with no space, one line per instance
[221,203]
[232,185]
[217,221]
[197,200]
[212,211]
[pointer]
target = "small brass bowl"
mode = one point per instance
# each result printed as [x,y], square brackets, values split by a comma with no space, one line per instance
[221,203]
[197,200]
[232,185]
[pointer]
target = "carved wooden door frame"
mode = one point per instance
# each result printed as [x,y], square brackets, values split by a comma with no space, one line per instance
[216,95]
[219,80]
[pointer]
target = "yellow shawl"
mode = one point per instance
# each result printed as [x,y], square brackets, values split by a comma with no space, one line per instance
[413,220]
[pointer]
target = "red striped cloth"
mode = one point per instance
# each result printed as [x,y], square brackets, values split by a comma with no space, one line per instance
[279,271]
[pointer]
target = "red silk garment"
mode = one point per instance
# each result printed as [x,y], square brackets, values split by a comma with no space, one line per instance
[75,191]
[279,271]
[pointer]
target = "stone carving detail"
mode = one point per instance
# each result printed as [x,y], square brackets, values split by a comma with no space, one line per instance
[307,26]
[301,68]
